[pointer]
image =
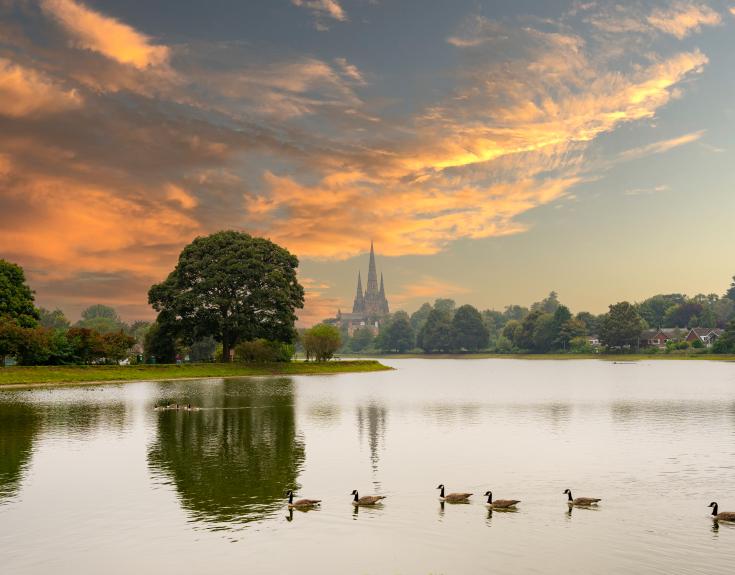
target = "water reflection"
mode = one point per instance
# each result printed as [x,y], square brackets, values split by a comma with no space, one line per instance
[372,417]
[20,424]
[231,460]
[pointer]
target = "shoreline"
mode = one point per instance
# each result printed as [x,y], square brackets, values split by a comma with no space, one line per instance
[49,376]
[622,357]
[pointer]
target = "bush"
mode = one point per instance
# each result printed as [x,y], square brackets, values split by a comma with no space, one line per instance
[321,341]
[263,351]
[697,344]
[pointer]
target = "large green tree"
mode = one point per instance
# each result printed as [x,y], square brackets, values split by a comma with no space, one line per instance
[419,317]
[468,330]
[101,318]
[398,335]
[621,326]
[233,287]
[16,298]
[436,335]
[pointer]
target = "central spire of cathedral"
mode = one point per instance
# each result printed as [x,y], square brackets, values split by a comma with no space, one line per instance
[372,280]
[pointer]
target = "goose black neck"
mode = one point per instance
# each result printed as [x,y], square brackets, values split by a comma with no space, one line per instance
[290,496]
[569,496]
[441,493]
[355,499]
[490,497]
[714,509]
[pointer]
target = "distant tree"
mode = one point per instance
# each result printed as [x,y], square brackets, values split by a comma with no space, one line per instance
[100,310]
[16,298]
[685,314]
[362,338]
[436,335]
[233,287]
[571,329]
[515,312]
[561,316]
[53,319]
[264,351]
[86,344]
[445,304]
[398,336]
[116,345]
[468,330]
[494,322]
[653,310]
[548,304]
[591,322]
[726,342]
[545,333]
[321,342]
[503,345]
[723,310]
[730,293]
[512,331]
[621,326]
[524,335]
[419,317]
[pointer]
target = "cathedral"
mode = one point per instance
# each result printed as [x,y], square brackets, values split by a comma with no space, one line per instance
[370,306]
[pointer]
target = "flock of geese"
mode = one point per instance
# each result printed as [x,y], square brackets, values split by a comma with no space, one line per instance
[460,497]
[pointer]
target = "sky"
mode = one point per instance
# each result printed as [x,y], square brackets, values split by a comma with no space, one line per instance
[493,151]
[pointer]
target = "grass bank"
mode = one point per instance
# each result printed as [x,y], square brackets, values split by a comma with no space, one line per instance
[556,356]
[107,373]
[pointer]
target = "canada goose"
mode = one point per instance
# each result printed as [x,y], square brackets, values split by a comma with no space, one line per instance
[301,503]
[580,500]
[724,516]
[365,499]
[453,497]
[500,503]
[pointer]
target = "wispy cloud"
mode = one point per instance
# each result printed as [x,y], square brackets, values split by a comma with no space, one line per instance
[647,191]
[660,147]
[683,18]
[321,9]
[426,287]
[91,30]
[28,92]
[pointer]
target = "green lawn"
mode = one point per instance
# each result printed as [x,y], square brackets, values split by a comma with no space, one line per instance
[94,373]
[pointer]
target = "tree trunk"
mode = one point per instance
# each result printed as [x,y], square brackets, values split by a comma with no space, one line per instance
[225,348]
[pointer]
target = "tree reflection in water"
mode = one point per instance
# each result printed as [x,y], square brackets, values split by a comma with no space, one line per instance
[20,424]
[232,460]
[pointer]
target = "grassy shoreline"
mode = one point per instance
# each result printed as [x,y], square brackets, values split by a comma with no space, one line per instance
[73,374]
[551,356]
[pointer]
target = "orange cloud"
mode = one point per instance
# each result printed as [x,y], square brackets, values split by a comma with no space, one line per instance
[93,31]
[682,18]
[27,92]
[426,288]
[331,8]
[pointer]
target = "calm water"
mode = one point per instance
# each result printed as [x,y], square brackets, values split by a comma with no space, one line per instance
[93,480]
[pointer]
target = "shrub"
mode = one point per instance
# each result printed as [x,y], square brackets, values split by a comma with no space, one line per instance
[263,351]
[321,341]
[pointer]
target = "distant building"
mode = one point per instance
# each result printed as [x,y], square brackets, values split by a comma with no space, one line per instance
[370,307]
[658,337]
[707,335]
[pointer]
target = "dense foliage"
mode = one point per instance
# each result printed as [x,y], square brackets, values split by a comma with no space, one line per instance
[16,298]
[321,342]
[233,287]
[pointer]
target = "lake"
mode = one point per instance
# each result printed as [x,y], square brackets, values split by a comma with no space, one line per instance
[94,480]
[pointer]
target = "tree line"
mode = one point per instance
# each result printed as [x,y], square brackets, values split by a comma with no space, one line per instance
[546,326]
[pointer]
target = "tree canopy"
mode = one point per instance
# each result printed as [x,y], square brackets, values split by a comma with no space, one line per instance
[321,342]
[621,326]
[16,298]
[233,287]
[468,329]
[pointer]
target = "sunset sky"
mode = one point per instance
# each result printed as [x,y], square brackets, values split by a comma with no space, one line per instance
[493,151]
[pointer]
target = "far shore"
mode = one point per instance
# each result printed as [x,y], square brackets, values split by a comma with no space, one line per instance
[22,376]
[549,356]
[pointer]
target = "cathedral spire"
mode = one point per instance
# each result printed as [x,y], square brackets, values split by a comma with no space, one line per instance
[372,281]
[359,305]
